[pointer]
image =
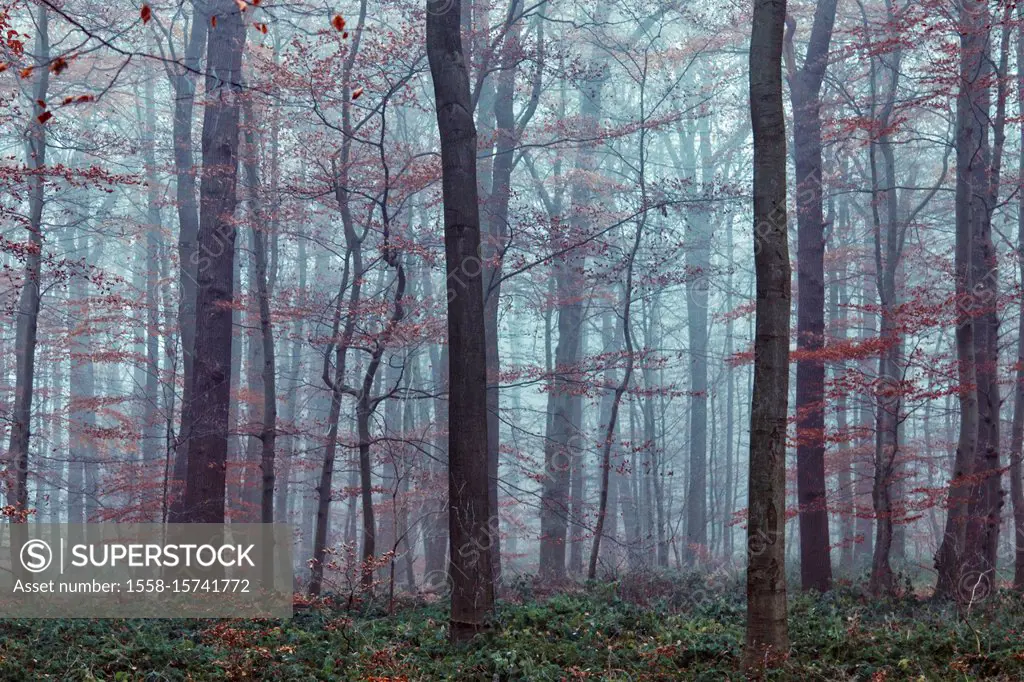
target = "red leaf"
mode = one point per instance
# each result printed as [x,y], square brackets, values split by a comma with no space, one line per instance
[213,22]
[338,22]
[44,117]
[146,14]
[357,93]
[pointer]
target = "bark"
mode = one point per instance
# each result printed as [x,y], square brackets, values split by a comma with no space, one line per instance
[209,404]
[496,223]
[268,427]
[151,427]
[184,83]
[697,289]
[767,630]
[470,530]
[805,89]
[28,300]
[971,193]
[986,501]
[1017,432]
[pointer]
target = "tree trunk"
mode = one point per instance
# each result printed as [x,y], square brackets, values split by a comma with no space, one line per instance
[805,88]
[268,427]
[1017,433]
[208,407]
[767,630]
[188,235]
[971,188]
[470,529]
[29,299]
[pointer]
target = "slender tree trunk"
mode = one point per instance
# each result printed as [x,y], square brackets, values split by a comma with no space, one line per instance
[29,299]
[151,427]
[697,288]
[208,436]
[767,630]
[1017,433]
[613,416]
[472,577]
[971,186]
[805,87]
[353,271]
[268,426]
[188,236]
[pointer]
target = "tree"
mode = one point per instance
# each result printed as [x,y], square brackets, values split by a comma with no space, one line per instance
[209,403]
[184,80]
[469,525]
[767,631]
[805,93]
[30,297]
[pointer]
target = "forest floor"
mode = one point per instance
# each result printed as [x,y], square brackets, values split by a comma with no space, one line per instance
[654,629]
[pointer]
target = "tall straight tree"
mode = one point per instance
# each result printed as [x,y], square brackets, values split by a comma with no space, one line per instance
[986,500]
[470,572]
[208,407]
[1017,432]
[805,94]
[30,297]
[972,523]
[767,629]
[184,81]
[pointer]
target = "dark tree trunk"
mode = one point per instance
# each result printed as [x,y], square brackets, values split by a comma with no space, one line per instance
[986,504]
[208,407]
[1017,433]
[184,84]
[470,529]
[267,435]
[29,300]
[805,88]
[767,630]
[971,192]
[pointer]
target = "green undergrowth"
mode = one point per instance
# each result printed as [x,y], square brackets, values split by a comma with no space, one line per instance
[651,629]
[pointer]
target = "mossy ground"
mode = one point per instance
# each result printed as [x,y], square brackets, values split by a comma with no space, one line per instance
[659,628]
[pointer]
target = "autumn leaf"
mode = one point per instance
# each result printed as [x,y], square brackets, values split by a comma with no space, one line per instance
[262,28]
[146,14]
[213,22]
[26,72]
[58,65]
[44,117]
[338,22]
[241,5]
[357,93]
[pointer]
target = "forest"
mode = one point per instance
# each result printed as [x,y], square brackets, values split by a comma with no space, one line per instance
[566,339]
